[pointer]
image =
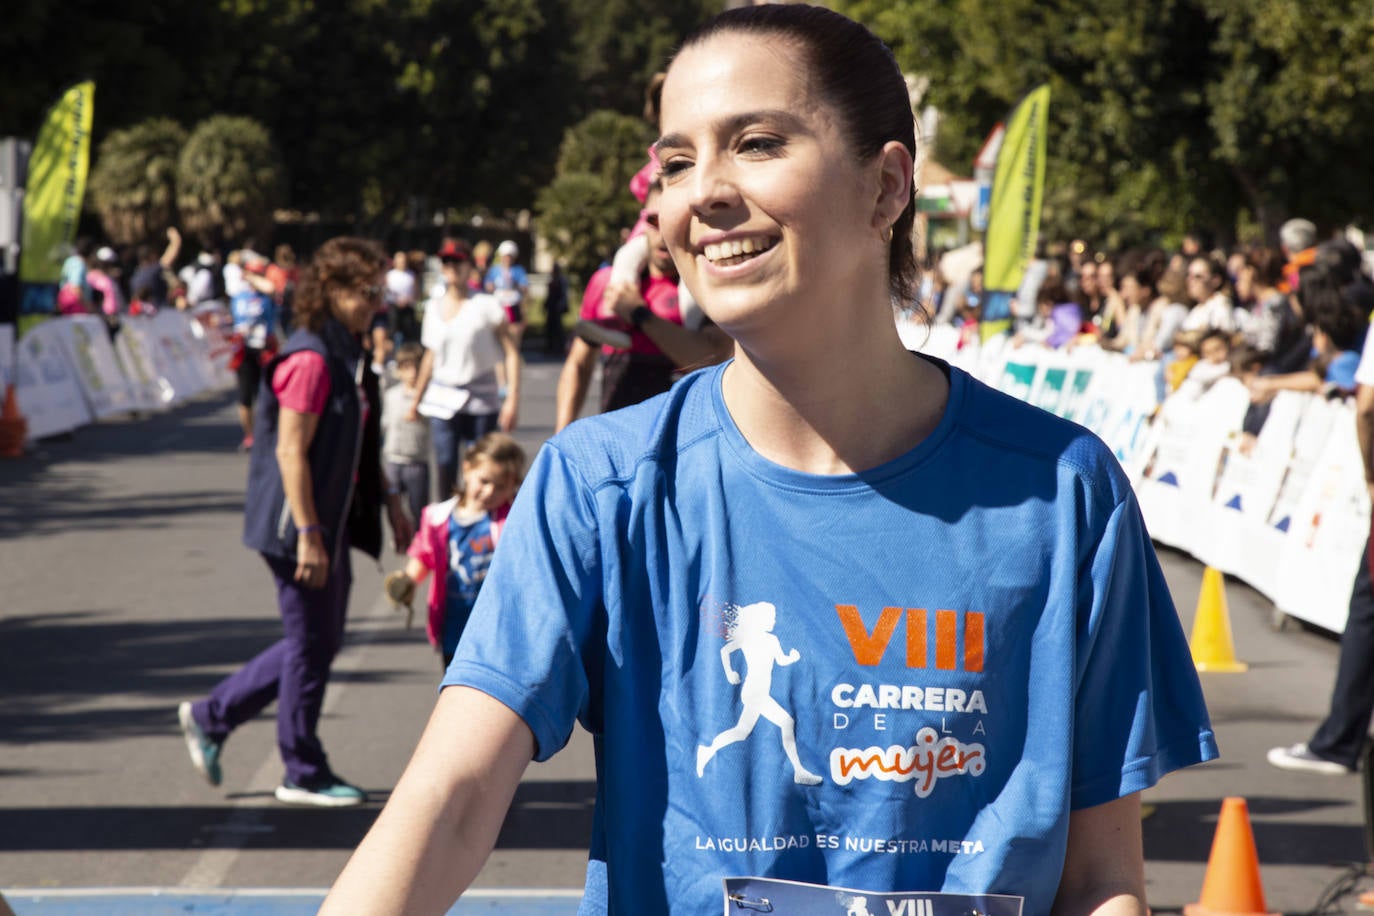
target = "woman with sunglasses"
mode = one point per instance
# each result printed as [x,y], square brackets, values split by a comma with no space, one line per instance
[466,336]
[315,488]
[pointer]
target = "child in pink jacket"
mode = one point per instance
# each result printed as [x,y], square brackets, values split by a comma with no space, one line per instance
[457,537]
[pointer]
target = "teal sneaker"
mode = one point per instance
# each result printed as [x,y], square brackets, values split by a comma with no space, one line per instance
[204,752]
[329,792]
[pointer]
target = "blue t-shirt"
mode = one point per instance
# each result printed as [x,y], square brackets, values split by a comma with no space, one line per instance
[903,679]
[507,285]
[254,315]
[469,556]
[1340,372]
[74,273]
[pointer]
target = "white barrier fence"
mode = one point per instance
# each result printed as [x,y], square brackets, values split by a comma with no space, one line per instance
[67,373]
[1289,518]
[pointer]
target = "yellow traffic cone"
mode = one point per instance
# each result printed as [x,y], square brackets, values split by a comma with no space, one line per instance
[1211,643]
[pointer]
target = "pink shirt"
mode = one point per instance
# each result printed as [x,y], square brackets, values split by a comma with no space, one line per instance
[659,293]
[113,303]
[301,382]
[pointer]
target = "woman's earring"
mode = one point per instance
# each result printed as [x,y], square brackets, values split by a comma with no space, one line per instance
[887,234]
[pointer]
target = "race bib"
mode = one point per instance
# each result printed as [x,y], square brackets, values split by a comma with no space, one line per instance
[746,896]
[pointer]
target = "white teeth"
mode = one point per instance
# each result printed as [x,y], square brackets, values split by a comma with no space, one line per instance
[734,248]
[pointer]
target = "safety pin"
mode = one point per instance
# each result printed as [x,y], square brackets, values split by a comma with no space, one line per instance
[761,904]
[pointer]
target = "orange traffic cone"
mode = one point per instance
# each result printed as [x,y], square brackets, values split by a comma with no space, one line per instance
[13,427]
[1232,883]
[1211,643]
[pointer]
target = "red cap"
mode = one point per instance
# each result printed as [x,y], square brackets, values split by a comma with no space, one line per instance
[455,250]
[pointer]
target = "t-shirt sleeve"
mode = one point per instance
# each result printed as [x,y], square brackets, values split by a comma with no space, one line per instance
[595,292]
[301,382]
[528,641]
[1138,711]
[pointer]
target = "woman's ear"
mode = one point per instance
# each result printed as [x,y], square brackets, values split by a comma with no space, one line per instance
[895,175]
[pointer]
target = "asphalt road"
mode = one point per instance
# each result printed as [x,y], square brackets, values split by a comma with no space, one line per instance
[123,590]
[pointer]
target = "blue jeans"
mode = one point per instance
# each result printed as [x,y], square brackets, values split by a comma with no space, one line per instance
[451,438]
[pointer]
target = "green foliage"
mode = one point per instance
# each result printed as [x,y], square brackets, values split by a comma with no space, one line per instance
[384,111]
[1165,115]
[229,181]
[583,210]
[621,44]
[132,183]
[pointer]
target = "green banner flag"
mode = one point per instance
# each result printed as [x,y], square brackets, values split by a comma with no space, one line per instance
[56,185]
[1018,187]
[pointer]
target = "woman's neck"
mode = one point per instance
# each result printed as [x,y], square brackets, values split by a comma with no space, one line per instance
[845,407]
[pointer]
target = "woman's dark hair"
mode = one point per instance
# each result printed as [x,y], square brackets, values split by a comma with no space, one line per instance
[1340,259]
[1053,291]
[339,264]
[856,73]
[1145,265]
[1326,307]
[1267,263]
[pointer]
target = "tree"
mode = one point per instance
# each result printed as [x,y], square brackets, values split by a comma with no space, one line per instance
[133,181]
[229,181]
[382,110]
[1164,116]
[583,210]
[621,44]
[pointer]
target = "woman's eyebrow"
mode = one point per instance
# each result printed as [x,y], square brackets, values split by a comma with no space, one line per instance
[732,124]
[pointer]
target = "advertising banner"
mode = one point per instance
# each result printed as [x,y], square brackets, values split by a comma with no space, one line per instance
[53,194]
[140,371]
[1018,187]
[48,392]
[86,340]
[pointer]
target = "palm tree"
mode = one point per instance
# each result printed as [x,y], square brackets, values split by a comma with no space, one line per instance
[133,183]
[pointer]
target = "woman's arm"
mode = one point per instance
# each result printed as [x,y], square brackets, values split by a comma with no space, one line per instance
[510,408]
[687,348]
[1104,865]
[295,432]
[169,254]
[421,383]
[442,819]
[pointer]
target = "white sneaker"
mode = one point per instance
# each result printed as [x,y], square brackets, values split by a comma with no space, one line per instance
[595,333]
[329,792]
[1300,758]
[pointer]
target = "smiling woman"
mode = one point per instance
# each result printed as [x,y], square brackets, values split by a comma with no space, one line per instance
[702,578]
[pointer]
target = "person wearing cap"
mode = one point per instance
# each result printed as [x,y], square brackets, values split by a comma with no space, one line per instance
[467,337]
[103,278]
[508,282]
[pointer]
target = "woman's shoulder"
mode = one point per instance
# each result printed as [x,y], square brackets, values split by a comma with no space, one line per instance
[613,447]
[1011,426]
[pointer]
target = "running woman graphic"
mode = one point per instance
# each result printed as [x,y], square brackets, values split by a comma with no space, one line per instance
[752,634]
